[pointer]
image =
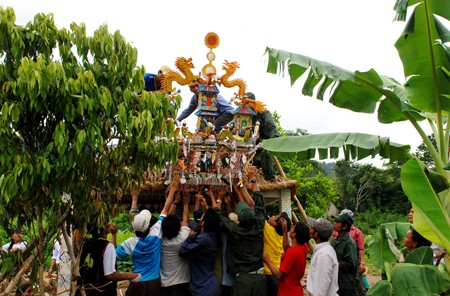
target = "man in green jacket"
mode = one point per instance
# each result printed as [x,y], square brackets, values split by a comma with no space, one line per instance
[267,130]
[347,255]
[245,240]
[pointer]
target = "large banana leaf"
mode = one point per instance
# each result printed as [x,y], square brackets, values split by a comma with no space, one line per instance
[379,249]
[428,84]
[426,63]
[353,145]
[431,217]
[411,280]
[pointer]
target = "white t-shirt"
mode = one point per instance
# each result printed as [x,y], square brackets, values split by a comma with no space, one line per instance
[323,272]
[21,246]
[174,269]
[109,259]
[56,250]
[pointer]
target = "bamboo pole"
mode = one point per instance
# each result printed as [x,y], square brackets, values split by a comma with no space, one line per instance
[293,196]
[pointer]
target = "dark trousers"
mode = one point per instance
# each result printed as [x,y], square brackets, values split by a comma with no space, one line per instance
[176,290]
[144,288]
[272,285]
[249,285]
[265,161]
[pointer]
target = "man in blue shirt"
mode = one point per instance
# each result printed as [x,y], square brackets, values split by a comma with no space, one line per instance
[224,109]
[153,81]
[145,248]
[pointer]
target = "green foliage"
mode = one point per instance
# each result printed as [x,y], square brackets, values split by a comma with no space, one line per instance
[123,222]
[425,54]
[72,122]
[369,220]
[364,186]
[315,190]
[379,250]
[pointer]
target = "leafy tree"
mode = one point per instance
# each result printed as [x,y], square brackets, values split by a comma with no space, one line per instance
[423,49]
[423,154]
[73,130]
[315,190]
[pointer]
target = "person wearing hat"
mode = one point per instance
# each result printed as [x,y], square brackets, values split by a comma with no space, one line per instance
[224,109]
[323,271]
[153,81]
[347,255]
[357,235]
[267,130]
[245,240]
[145,248]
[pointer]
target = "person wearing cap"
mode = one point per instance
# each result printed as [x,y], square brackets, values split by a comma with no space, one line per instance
[153,81]
[145,248]
[245,240]
[323,271]
[97,264]
[16,244]
[276,241]
[224,109]
[267,130]
[357,235]
[293,261]
[347,255]
[175,276]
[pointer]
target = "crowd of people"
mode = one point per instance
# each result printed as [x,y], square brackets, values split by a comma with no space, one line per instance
[217,254]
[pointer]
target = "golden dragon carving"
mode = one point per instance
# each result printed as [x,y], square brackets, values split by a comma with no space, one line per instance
[183,65]
[230,68]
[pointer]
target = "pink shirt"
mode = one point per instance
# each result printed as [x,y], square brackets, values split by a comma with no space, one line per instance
[356,235]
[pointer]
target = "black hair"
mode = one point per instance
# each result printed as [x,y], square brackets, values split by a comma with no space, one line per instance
[210,220]
[279,227]
[153,220]
[170,226]
[301,230]
[349,224]
[22,288]
[419,239]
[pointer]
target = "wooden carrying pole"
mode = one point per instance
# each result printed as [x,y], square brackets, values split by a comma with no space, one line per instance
[293,196]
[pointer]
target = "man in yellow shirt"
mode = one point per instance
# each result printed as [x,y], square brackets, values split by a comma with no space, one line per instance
[274,245]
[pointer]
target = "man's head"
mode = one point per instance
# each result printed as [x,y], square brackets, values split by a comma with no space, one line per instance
[141,223]
[321,229]
[16,235]
[194,87]
[170,226]
[210,221]
[274,221]
[342,222]
[300,232]
[245,213]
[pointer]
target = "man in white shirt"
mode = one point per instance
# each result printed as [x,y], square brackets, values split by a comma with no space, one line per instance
[16,244]
[175,272]
[323,271]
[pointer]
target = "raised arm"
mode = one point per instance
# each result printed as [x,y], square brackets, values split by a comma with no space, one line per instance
[169,200]
[134,192]
[173,206]
[185,221]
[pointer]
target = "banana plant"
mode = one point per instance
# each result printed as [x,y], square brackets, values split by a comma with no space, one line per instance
[423,98]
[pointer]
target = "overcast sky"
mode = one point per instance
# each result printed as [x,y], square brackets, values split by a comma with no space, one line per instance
[352,34]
